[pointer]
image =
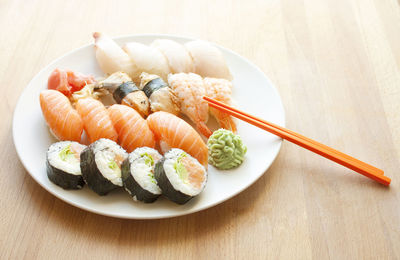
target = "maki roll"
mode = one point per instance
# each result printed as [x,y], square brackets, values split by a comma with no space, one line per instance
[63,165]
[138,174]
[160,95]
[101,165]
[180,176]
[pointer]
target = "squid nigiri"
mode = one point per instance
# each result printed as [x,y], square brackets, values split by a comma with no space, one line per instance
[147,59]
[189,88]
[132,129]
[178,57]
[173,132]
[111,58]
[221,90]
[161,96]
[96,120]
[208,60]
[63,121]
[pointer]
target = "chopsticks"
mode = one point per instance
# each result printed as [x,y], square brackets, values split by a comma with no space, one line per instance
[305,142]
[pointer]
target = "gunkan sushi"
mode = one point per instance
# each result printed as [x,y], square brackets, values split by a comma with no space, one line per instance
[180,176]
[138,174]
[101,165]
[63,165]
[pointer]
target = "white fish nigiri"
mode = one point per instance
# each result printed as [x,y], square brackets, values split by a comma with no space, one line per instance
[179,59]
[147,59]
[208,60]
[190,89]
[111,58]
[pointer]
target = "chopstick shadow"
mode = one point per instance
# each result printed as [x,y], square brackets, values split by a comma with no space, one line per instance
[146,233]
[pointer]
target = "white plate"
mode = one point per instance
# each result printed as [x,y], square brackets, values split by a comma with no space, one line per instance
[253,93]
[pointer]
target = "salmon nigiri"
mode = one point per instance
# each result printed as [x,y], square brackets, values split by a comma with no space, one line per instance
[132,129]
[173,132]
[96,120]
[64,122]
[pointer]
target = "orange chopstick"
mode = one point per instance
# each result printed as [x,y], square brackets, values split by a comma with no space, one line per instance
[312,145]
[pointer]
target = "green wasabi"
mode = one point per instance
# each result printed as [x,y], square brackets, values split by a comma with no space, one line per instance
[225,149]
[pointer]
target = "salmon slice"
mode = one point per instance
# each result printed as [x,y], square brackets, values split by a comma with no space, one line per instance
[63,120]
[132,129]
[96,121]
[196,172]
[173,132]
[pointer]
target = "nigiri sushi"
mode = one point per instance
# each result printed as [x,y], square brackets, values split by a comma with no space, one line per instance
[111,58]
[64,121]
[112,82]
[96,120]
[179,59]
[221,90]
[208,60]
[132,129]
[173,132]
[147,59]
[161,96]
[189,88]
[126,92]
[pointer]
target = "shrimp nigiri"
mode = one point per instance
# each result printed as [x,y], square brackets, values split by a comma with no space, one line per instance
[132,129]
[221,90]
[208,60]
[64,122]
[179,59]
[173,132]
[111,58]
[189,88]
[147,59]
[96,120]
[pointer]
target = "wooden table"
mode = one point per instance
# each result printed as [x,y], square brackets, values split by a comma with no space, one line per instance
[336,66]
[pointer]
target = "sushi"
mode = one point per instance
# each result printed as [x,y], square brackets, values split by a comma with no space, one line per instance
[64,121]
[111,58]
[125,92]
[96,121]
[138,174]
[208,60]
[132,129]
[161,96]
[173,132]
[189,88]
[130,95]
[147,59]
[112,82]
[101,165]
[63,165]
[180,176]
[221,90]
[178,57]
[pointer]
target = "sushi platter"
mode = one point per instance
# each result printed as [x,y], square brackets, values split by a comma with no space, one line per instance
[119,127]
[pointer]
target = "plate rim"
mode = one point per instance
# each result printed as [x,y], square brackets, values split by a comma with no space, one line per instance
[124,216]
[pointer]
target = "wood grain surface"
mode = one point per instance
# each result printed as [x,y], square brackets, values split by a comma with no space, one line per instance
[336,66]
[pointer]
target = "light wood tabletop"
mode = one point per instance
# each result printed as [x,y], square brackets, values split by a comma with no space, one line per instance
[336,67]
